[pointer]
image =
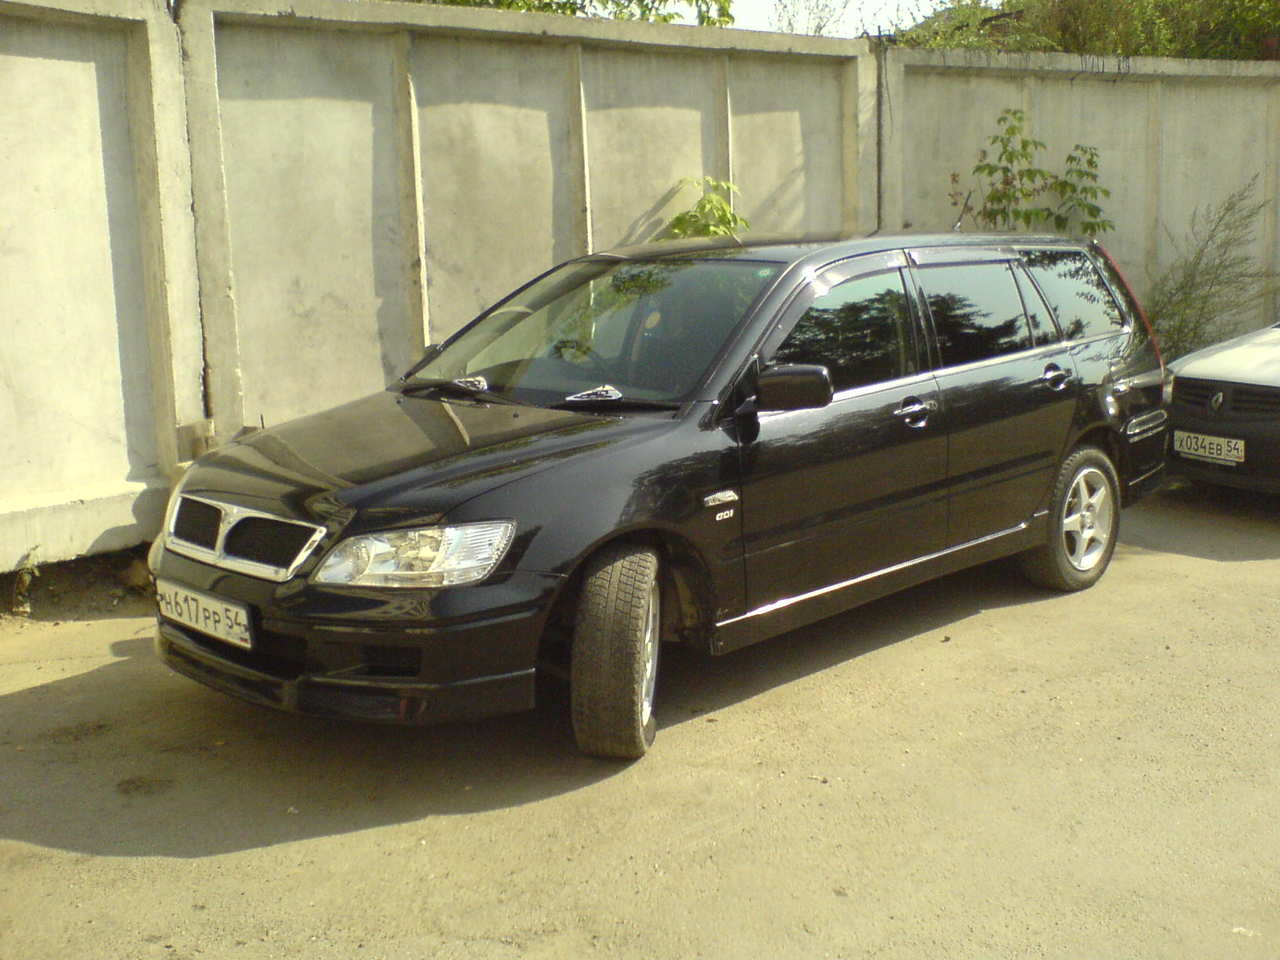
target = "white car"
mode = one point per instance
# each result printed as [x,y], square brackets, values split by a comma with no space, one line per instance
[1225,412]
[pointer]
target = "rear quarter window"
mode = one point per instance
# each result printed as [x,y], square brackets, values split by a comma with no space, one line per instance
[1079,297]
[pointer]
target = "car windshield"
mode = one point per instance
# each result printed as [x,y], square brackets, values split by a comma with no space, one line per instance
[603,332]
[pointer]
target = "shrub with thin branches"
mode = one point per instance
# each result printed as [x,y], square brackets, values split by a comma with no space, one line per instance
[1214,283]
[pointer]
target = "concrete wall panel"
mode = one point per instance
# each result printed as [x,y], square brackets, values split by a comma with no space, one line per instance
[74,377]
[311,171]
[500,170]
[1173,137]
[1115,118]
[787,142]
[946,118]
[1195,119]
[652,120]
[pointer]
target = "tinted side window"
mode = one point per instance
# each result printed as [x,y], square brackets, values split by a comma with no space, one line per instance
[1075,291]
[1139,337]
[1038,313]
[976,310]
[858,330]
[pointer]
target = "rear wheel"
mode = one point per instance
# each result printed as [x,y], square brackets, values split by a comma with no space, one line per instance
[614,666]
[1084,518]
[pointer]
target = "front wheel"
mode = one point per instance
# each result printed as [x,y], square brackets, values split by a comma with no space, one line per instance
[614,670]
[1084,519]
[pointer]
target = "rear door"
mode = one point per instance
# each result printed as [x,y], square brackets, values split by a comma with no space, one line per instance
[849,489]
[1009,388]
[1119,369]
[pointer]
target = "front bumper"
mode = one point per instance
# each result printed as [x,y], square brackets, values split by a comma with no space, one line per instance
[1225,476]
[1261,469]
[386,700]
[395,656]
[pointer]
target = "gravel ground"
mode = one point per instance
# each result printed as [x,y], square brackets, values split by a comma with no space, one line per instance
[971,769]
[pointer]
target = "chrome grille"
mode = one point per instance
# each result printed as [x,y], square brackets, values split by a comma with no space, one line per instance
[197,522]
[272,542]
[240,538]
[1194,393]
[1259,400]
[1246,401]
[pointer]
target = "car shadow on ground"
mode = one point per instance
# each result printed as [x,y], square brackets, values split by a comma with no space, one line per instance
[694,685]
[1211,523]
[128,759]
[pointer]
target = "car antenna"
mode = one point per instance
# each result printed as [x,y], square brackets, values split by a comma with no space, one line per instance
[955,227]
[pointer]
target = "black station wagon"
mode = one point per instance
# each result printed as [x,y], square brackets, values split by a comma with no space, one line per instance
[706,442]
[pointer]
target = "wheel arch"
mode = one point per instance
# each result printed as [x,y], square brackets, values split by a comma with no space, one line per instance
[1104,438]
[1053,563]
[688,596]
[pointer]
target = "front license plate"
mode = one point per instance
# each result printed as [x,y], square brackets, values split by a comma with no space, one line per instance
[212,615]
[1204,447]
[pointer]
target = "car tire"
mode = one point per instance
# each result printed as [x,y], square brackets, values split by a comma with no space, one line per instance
[614,664]
[1084,519]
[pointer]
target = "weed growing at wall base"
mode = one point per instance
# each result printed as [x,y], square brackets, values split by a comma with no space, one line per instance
[1016,194]
[712,215]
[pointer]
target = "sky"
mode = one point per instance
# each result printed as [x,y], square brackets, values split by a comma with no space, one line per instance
[872,16]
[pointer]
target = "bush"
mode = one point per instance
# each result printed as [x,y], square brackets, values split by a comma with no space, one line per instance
[1017,194]
[1212,29]
[711,214]
[1213,285]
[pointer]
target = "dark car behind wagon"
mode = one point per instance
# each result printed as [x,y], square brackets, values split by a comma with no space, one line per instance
[707,442]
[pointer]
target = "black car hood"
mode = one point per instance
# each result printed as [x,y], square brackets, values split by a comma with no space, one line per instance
[387,455]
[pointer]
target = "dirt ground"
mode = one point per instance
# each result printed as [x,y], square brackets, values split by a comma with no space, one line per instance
[972,769]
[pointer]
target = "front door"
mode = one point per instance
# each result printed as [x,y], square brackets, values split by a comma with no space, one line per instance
[836,494]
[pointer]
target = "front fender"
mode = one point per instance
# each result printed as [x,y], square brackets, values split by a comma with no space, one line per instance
[655,488]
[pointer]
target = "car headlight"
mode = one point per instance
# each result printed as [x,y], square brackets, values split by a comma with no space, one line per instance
[421,557]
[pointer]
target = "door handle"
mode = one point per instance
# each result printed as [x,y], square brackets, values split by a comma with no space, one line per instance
[1055,378]
[916,411]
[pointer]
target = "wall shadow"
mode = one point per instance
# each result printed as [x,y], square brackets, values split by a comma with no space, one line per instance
[397,318]
[804,194]
[646,226]
[782,198]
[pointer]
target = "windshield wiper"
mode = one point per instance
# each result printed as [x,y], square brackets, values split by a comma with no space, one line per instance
[614,403]
[474,388]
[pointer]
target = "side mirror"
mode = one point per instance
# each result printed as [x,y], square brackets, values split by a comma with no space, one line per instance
[793,386]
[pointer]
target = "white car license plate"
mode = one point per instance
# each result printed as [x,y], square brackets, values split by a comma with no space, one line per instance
[212,615]
[1204,447]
